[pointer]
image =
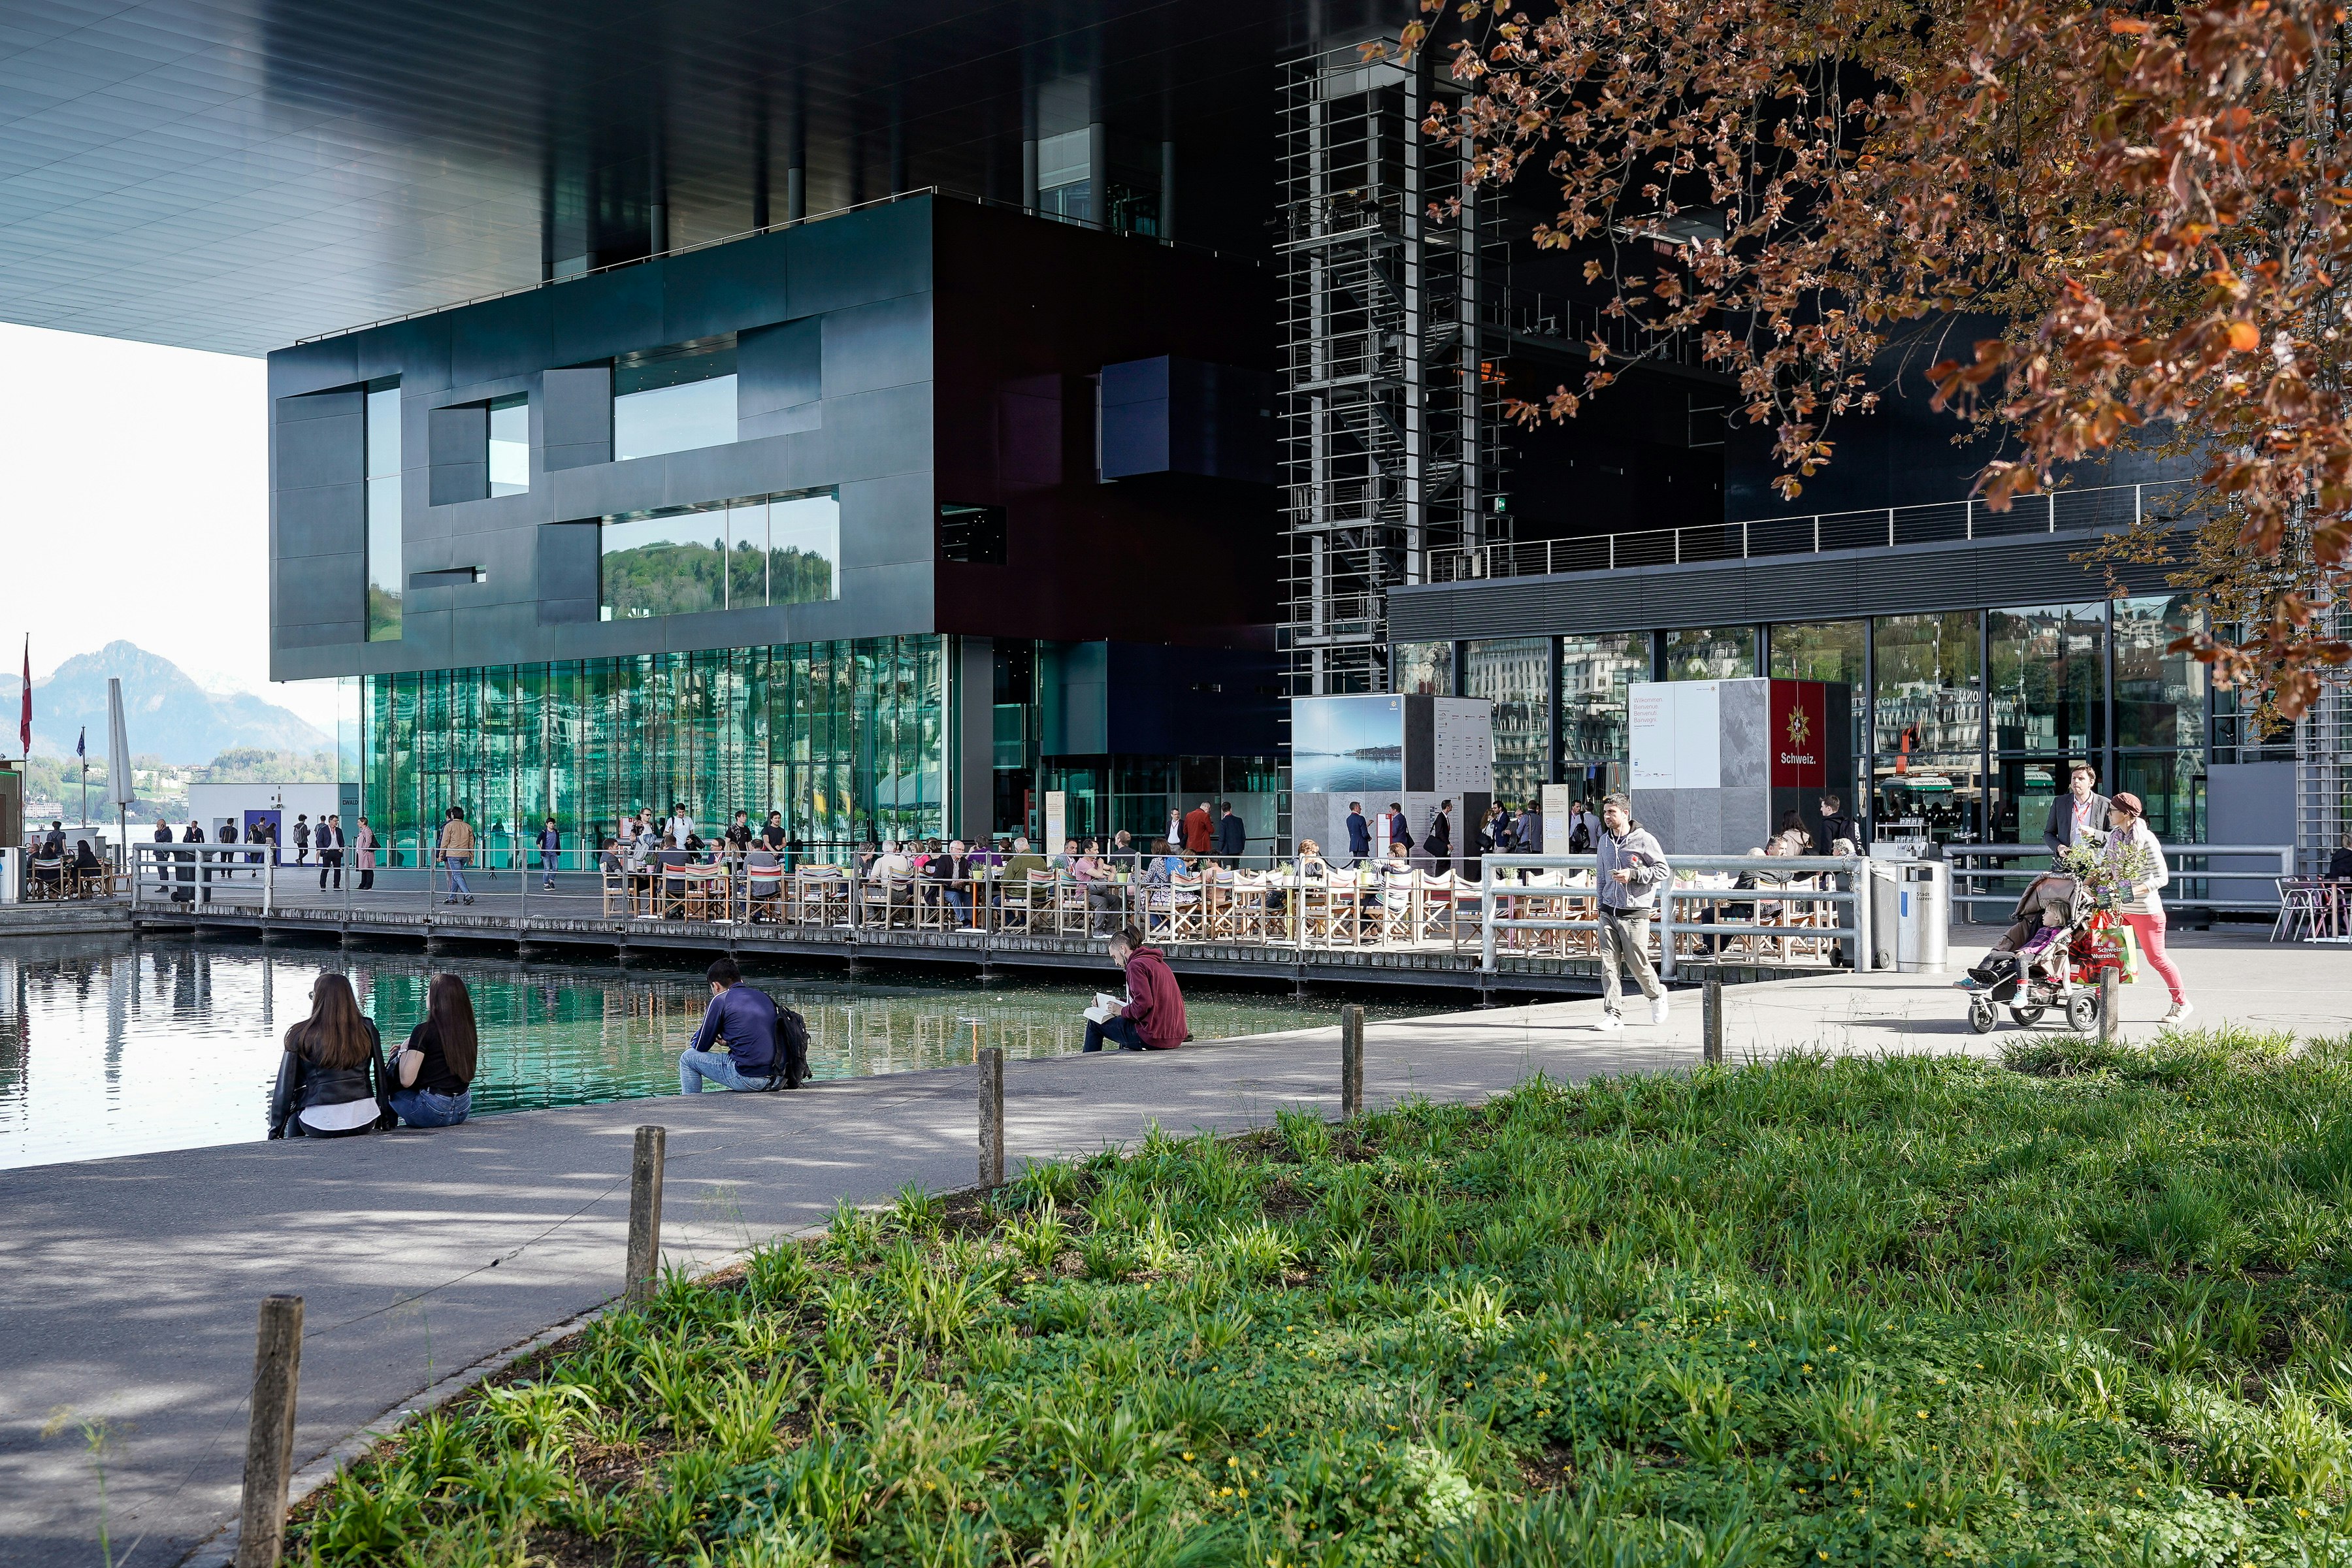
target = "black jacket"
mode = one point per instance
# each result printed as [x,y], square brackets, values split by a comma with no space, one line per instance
[1440,842]
[2059,831]
[301,1084]
[1232,837]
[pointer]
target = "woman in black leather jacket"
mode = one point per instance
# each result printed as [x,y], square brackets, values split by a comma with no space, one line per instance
[332,1080]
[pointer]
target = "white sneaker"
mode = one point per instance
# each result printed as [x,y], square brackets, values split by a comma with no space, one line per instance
[1658,1010]
[2180,1010]
[1608,1021]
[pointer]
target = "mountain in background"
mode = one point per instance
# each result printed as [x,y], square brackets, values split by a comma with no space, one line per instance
[166,714]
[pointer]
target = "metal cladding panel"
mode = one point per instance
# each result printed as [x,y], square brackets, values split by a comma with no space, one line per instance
[1904,580]
[866,379]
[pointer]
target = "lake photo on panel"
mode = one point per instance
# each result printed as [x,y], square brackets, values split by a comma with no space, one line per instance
[129,1048]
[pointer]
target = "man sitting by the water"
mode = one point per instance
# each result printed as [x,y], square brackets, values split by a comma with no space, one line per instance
[1153,1018]
[736,1047]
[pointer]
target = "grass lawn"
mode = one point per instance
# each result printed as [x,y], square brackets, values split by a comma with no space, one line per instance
[2087,1307]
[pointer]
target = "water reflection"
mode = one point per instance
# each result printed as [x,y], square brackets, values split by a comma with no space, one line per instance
[189,1042]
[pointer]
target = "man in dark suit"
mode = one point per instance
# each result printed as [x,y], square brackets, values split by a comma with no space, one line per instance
[1232,838]
[2080,815]
[1360,832]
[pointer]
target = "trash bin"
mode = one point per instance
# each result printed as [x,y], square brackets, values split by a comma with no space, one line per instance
[1886,899]
[1923,916]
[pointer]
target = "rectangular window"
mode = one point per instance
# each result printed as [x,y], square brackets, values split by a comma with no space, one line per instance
[1711,653]
[673,399]
[1594,672]
[769,550]
[1425,669]
[384,540]
[510,449]
[2048,678]
[1514,674]
[973,534]
[1930,694]
[2159,695]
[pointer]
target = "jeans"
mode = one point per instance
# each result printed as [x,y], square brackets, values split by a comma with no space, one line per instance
[1625,933]
[547,858]
[697,1068]
[425,1107]
[2149,929]
[1120,1032]
[457,887]
[959,901]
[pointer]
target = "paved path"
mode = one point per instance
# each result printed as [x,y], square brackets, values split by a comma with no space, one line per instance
[128,1286]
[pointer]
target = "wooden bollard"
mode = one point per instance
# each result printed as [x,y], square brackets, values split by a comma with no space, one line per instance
[2110,997]
[991,1116]
[1352,1061]
[643,1268]
[269,1436]
[1711,1031]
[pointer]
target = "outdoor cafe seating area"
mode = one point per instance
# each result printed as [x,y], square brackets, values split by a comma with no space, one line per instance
[1385,907]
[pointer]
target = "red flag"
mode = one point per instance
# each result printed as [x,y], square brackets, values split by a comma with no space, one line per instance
[24,728]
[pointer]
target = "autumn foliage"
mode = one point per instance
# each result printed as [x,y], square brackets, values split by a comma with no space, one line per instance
[2152,204]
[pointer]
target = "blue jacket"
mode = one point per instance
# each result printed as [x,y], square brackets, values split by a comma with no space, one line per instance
[1360,833]
[744,1016]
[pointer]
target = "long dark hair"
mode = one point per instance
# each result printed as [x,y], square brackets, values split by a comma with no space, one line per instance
[335,1035]
[449,1008]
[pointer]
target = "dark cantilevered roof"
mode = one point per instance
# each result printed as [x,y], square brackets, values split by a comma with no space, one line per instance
[234,174]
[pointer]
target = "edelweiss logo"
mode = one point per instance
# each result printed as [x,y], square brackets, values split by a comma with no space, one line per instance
[1800,728]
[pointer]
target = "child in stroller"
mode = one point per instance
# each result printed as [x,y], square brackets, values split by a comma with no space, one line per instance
[2050,957]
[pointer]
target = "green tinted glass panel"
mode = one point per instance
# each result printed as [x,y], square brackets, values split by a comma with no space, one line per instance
[384,578]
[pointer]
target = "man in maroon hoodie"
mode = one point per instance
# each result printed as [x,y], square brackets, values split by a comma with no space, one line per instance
[1153,1018]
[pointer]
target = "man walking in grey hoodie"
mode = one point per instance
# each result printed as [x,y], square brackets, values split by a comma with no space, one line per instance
[1632,868]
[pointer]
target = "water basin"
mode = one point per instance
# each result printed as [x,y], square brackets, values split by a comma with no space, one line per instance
[116,1047]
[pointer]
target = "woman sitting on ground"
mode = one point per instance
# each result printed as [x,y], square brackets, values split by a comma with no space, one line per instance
[433,1073]
[331,1081]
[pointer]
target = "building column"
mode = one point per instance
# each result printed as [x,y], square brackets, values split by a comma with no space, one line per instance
[971,791]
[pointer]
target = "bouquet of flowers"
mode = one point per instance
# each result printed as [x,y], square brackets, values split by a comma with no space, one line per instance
[2102,879]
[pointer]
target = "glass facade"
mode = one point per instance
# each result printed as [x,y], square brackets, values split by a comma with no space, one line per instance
[1514,674]
[510,446]
[673,400]
[1710,653]
[1928,724]
[1594,672]
[2047,676]
[1424,668]
[847,738]
[771,549]
[383,538]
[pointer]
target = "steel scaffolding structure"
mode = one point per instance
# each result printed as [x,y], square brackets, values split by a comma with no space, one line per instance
[1390,439]
[2323,771]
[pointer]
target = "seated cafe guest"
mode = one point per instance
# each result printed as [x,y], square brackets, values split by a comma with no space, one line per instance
[433,1075]
[1153,1018]
[331,1081]
[1023,861]
[948,876]
[736,1047]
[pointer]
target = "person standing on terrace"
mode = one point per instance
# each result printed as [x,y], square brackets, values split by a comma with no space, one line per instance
[1631,866]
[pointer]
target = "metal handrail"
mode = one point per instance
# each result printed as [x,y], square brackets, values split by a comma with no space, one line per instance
[1855,896]
[1799,536]
[2173,855]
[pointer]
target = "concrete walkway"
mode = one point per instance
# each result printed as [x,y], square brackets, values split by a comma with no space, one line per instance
[128,1286]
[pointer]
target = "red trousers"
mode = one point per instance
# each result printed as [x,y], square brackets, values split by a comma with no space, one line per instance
[2149,929]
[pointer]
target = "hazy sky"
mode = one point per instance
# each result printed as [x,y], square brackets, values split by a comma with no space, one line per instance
[134,485]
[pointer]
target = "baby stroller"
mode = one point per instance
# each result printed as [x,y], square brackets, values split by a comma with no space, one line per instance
[2058,965]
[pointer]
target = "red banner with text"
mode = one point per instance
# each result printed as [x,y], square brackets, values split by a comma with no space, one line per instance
[1800,728]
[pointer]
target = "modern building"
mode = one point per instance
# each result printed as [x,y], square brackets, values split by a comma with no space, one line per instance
[888,417]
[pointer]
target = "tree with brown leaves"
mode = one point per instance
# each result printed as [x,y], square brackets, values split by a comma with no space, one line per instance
[2154,200]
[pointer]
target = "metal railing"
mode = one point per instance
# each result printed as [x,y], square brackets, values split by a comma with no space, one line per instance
[1257,900]
[2100,508]
[1968,867]
[1775,887]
